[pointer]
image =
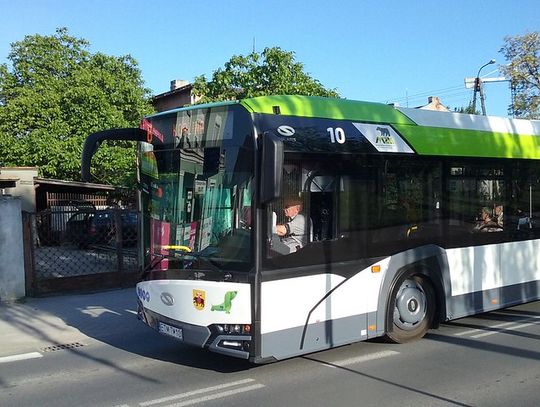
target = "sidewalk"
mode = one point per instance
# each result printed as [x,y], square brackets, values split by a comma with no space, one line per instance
[39,323]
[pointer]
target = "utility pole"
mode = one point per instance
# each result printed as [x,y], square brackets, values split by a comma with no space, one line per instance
[476,87]
[513,98]
[477,84]
[480,89]
[482,99]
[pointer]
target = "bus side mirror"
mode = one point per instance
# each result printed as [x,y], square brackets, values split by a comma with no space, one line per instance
[92,142]
[271,167]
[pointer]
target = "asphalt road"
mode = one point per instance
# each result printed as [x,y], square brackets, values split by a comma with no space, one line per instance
[487,360]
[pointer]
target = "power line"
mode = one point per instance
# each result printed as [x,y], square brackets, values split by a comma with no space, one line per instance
[420,97]
[446,96]
[451,97]
[424,94]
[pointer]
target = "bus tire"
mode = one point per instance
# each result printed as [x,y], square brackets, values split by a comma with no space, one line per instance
[412,308]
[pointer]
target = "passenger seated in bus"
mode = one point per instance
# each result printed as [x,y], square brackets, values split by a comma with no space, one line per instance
[499,215]
[524,221]
[293,233]
[486,222]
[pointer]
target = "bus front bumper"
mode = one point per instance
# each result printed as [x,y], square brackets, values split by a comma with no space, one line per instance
[200,336]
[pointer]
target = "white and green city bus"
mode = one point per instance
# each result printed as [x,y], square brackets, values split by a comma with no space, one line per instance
[391,198]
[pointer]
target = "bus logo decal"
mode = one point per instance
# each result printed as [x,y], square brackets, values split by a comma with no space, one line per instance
[286,131]
[143,294]
[384,138]
[199,299]
[167,299]
[227,302]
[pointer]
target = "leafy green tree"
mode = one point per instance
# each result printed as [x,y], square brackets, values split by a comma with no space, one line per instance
[54,93]
[523,69]
[271,72]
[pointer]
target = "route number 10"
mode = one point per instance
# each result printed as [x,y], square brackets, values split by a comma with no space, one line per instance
[337,135]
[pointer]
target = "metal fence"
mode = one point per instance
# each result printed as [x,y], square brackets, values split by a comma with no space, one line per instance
[76,250]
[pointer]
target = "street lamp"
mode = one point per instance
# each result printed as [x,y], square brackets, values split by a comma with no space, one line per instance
[478,88]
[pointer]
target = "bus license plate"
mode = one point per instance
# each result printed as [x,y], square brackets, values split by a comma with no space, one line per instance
[170,330]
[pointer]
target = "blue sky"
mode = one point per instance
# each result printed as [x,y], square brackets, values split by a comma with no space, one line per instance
[381,51]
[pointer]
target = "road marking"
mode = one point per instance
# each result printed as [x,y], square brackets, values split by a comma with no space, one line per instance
[217,395]
[199,391]
[21,356]
[480,332]
[360,359]
[476,330]
[508,328]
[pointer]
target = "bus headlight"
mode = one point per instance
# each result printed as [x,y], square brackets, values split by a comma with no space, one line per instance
[231,329]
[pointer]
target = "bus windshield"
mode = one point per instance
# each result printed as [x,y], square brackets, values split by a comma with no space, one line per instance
[197,207]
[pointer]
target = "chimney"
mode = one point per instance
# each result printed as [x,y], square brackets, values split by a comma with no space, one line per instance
[178,83]
[434,103]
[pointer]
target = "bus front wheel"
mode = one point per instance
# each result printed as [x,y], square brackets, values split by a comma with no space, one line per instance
[413,309]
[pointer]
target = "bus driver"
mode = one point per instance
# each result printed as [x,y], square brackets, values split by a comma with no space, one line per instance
[293,233]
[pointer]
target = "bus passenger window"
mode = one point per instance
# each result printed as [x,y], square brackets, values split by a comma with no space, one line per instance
[487,222]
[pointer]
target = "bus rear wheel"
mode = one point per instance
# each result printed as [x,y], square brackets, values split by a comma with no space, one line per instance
[413,309]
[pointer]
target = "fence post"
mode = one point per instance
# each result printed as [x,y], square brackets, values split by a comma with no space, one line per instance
[29,241]
[119,243]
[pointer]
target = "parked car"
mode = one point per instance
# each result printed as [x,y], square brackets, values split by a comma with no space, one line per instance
[98,227]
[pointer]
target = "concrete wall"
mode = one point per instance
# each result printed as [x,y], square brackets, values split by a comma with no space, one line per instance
[25,186]
[11,250]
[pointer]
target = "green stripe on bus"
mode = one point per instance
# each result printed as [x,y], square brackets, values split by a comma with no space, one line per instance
[328,108]
[470,143]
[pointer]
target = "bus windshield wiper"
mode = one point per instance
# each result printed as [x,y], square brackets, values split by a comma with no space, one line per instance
[185,251]
[175,253]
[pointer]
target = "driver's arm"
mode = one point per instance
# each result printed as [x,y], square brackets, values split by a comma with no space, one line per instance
[281,230]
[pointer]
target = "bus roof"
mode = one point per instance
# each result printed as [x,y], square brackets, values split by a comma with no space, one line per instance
[327,108]
[427,131]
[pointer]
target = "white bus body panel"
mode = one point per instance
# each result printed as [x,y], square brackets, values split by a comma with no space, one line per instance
[520,262]
[297,315]
[287,303]
[482,268]
[474,268]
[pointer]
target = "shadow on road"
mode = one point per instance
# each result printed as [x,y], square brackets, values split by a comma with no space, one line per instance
[109,317]
[389,382]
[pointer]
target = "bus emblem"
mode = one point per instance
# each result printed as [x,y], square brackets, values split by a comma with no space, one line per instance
[167,299]
[199,297]
[286,131]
